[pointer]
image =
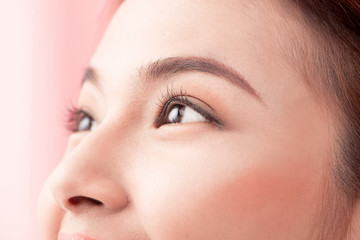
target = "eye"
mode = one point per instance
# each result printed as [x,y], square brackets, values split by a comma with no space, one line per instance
[179,113]
[185,109]
[86,123]
[80,120]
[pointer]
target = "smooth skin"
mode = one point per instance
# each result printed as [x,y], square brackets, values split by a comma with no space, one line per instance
[257,174]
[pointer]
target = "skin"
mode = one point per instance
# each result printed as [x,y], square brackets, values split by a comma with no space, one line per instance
[260,175]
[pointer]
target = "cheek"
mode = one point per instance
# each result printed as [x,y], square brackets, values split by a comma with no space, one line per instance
[49,214]
[223,193]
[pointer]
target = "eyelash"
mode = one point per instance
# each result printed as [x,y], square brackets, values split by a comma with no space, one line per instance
[75,115]
[167,99]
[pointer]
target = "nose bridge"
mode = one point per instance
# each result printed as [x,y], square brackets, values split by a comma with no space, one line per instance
[90,174]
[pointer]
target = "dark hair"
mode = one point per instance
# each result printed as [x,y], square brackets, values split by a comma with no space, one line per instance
[334,26]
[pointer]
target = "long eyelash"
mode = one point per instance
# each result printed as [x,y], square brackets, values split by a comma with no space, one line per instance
[180,96]
[72,117]
[170,94]
[166,97]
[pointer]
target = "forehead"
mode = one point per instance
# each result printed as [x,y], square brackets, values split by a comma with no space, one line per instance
[182,25]
[247,35]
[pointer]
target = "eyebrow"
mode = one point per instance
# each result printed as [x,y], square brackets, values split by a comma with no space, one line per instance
[168,67]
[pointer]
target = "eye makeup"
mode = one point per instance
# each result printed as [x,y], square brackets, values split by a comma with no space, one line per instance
[79,120]
[173,98]
[172,101]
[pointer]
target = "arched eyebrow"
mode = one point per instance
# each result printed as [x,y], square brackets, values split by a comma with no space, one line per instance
[169,67]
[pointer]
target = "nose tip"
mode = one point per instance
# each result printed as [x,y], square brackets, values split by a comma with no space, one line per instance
[86,177]
[76,193]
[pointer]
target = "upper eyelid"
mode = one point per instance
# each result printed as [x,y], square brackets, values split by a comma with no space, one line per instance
[180,98]
[202,111]
[171,94]
[184,99]
[88,112]
[200,101]
[78,115]
[83,113]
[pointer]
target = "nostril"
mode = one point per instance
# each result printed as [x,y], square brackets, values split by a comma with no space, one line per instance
[84,201]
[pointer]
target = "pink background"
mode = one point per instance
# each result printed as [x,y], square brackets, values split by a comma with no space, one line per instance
[45,46]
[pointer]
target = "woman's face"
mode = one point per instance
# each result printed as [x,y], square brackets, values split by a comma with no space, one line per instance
[202,129]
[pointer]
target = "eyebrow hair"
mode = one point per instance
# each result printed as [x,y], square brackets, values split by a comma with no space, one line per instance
[168,67]
[90,75]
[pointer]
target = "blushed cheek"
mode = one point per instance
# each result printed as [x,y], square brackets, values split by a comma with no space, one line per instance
[262,203]
[252,205]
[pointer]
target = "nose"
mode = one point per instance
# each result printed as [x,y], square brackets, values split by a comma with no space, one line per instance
[86,179]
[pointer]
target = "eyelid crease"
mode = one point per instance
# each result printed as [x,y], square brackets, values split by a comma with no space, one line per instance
[172,96]
[208,116]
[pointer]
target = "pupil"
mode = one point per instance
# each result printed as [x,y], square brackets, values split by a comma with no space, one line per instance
[176,114]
